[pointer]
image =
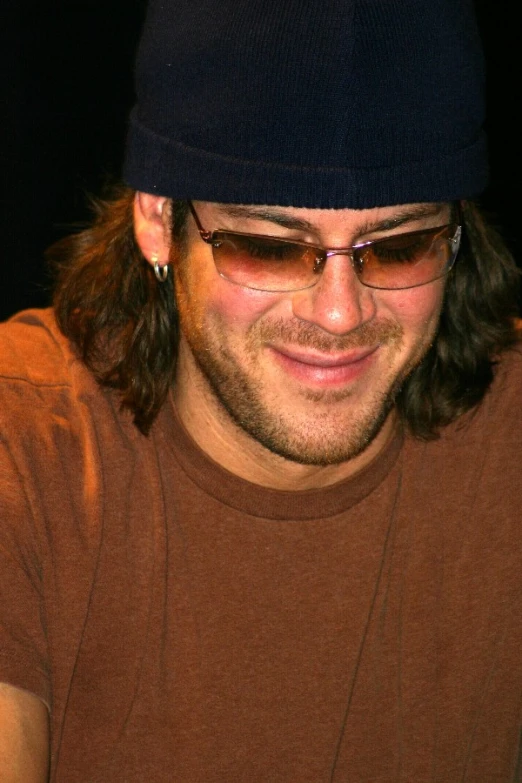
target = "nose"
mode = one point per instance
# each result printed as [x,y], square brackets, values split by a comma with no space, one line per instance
[338,303]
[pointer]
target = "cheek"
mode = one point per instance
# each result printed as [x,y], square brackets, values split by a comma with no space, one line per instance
[235,307]
[417,309]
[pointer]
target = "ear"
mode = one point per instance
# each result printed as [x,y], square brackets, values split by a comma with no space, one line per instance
[152,227]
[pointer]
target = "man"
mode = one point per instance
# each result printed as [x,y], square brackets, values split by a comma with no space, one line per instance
[260,465]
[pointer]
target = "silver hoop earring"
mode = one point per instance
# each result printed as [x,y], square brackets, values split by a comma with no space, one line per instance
[161,272]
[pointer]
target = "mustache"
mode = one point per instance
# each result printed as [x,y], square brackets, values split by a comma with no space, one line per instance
[307,335]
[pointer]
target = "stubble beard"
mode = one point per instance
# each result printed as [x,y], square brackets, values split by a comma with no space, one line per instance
[335,431]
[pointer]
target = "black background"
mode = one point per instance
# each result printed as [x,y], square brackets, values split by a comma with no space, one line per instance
[66,94]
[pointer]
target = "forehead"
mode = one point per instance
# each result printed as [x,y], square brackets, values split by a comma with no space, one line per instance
[318,220]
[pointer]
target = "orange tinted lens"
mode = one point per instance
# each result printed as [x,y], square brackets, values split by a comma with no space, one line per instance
[406,260]
[263,263]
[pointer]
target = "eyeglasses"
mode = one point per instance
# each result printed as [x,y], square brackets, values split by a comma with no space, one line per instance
[267,263]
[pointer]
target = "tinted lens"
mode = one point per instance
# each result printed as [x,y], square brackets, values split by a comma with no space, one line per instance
[407,260]
[264,263]
[270,264]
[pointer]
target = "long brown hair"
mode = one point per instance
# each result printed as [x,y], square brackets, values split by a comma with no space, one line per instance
[125,324]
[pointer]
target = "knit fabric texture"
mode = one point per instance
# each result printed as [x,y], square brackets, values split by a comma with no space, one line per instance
[323,103]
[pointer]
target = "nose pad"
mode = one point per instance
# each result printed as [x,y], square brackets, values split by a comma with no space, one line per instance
[319,263]
[357,264]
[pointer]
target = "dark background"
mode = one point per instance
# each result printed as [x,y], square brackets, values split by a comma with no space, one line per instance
[66,94]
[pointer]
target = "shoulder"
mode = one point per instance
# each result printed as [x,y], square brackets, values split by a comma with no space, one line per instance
[475,461]
[500,412]
[60,431]
[496,422]
[34,351]
[44,385]
[47,394]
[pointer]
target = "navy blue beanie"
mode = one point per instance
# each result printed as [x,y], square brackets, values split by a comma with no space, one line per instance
[312,103]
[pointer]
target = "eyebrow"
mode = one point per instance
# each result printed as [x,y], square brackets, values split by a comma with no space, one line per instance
[273,215]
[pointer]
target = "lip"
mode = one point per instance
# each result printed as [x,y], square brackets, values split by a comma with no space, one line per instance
[314,368]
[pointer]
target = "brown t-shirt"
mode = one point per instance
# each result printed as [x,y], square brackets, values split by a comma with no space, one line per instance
[185,625]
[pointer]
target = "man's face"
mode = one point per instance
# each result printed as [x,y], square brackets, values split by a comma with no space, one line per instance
[310,375]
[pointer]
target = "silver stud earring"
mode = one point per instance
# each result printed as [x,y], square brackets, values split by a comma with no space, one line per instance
[161,272]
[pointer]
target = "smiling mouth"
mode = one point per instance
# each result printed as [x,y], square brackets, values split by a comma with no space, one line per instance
[317,359]
[324,370]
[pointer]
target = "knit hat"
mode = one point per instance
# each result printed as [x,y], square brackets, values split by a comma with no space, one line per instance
[312,103]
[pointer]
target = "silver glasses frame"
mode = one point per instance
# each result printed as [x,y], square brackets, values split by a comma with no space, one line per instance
[326,253]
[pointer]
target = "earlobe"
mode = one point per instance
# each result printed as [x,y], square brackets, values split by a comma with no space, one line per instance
[151,227]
